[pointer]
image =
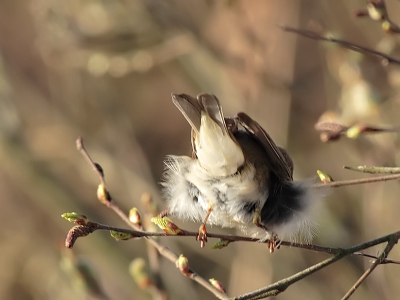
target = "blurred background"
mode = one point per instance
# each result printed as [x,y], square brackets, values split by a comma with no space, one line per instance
[104,70]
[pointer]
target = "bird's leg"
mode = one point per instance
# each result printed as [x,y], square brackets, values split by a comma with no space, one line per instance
[202,236]
[257,218]
[274,242]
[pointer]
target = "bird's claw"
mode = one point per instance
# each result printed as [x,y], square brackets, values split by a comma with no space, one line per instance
[273,243]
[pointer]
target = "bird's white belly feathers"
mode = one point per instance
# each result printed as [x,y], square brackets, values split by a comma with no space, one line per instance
[191,192]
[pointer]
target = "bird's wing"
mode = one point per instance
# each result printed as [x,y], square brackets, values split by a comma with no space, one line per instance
[190,108]
[280,162]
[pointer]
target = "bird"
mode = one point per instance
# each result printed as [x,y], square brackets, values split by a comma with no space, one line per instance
[237,177]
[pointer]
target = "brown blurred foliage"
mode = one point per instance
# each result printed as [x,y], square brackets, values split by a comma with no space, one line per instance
[105,70]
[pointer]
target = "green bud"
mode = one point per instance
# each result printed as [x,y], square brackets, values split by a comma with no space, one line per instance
[121,236]
[76,218]
[220,244]
[167,226]
[324,177]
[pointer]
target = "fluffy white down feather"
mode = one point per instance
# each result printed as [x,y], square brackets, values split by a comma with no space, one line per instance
[183,174]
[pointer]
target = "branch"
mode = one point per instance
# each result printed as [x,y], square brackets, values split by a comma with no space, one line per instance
[377,11]
[278,287]
[393,241]
[357,181]
[86,227]
[385,261]
[110,203]
[89,227]
[330,131]
[374,170]
[361,49]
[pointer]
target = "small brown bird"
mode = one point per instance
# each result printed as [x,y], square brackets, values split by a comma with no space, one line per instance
[237,177]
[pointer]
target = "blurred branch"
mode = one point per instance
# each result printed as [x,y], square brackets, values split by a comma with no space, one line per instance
[333,131]
[81,271]
[374,170]
[105,197]
[357,181]
[349,45]
[150,210]
[376,10]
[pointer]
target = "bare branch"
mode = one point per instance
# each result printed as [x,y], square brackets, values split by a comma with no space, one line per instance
[374,170]
[393,241]
[330,131]
[86,227]
[349,45]
[93,226]
[278,287]
[384,261]
[358,181]
[164,251]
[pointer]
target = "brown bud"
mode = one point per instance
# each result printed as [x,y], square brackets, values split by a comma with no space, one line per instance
[76,232]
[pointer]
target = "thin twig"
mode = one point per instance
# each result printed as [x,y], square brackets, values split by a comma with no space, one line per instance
[153,255]
[95,167]
[331,131]
[345,44]
[235,238]
[231,238]
[374,257]
[270,290]
[164,251]
[393,241]
[357,181]
[279,286]
[374,170]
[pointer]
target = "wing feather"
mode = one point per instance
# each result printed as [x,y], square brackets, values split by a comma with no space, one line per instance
[280,162]
[213,108]
[190,108]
